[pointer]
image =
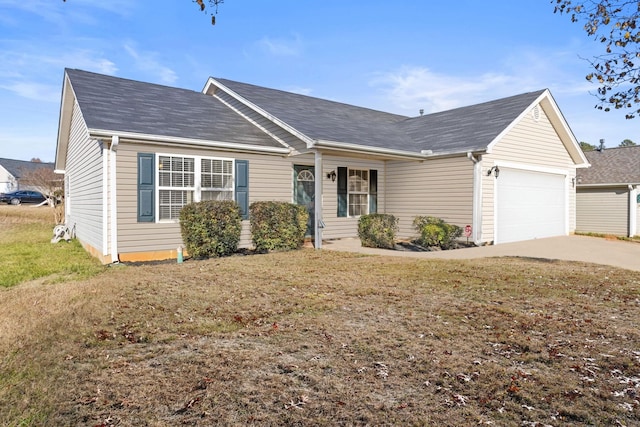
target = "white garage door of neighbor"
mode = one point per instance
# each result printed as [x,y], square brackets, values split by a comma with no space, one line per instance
[530,205]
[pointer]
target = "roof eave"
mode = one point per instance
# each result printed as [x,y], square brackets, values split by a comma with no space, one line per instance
[148,138]
[387,152]
[67,100]
[213,82]
[608,184]
[366,150]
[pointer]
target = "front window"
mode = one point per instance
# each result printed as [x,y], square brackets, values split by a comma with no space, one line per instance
[216,179]
[358,188]
[182,180]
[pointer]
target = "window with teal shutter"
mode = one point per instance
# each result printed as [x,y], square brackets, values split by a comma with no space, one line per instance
[242,187]
[146,187]
[373,191]
[357,192]
[342,192]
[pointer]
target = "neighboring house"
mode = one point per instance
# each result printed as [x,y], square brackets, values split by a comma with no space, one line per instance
[608,192]
[134,153]
[12,170]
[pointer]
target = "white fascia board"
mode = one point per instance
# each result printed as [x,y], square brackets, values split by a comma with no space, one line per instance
[67,100]
[562,127]
[99,133]
[364,149]
[611,184]
[213,82]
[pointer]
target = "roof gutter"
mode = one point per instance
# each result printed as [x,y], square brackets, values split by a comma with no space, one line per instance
[99,133]
[361,149]
[614,184]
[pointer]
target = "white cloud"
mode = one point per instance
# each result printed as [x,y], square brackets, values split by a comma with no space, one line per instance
[412,88]
[67,13]
[147,62]
[34,90]
[281,46]
[34,76]
[300,90]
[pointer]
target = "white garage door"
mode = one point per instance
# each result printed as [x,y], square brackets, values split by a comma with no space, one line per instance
[530,205]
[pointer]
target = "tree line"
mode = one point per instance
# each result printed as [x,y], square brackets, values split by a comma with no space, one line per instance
[590,147]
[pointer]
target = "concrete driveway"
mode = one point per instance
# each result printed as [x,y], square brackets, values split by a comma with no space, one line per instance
[597,250]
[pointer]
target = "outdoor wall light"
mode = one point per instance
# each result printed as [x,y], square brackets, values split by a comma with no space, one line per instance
[332,176]
[495,170]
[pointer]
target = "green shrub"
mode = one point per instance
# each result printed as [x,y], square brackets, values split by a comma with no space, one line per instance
[277,226]
[211,228]
[378,230]
[436,232]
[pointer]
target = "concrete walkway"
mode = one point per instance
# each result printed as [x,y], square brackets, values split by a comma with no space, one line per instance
[597,250]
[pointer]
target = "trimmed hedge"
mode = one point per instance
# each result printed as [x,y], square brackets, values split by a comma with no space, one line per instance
[277,226]
[436,232]
[378,230]
[211,228]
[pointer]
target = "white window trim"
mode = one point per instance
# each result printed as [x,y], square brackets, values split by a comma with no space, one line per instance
[366,192]
[197,180]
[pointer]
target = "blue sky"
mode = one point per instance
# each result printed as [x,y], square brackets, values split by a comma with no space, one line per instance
[398,56]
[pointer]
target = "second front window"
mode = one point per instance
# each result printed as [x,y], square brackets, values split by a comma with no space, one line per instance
[358,186]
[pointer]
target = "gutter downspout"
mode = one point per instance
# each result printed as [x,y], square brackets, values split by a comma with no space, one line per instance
[113,206]
[633,210]
[476,220]
[317,210]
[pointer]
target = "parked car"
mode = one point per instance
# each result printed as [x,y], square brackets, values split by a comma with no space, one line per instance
[22,196]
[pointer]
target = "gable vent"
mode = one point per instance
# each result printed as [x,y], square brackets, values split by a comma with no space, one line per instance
[536,113]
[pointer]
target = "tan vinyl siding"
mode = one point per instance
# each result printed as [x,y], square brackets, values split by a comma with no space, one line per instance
[85,175]
[269,179]
[530,144]
[266,124]
[603,210]
[342,227]
[439,187]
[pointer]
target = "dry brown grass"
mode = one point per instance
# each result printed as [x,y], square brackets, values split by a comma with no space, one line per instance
[26,214]
[324,338]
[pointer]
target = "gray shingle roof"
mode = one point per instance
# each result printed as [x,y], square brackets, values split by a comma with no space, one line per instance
[470,128]
[18,168]
[321,119]
[611,166]
[463,129]
[116,104]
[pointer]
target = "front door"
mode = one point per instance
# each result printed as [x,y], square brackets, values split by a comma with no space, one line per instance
[304,192]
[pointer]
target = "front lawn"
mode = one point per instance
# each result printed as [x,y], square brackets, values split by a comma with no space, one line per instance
[26,251]
[323,338]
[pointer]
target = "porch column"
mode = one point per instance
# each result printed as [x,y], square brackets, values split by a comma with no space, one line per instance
[113,197]
[633,210]
[319,225]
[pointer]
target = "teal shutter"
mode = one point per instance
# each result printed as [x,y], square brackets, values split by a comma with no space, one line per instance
[342,192]
[146,187]
[242,187]
[373,191]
